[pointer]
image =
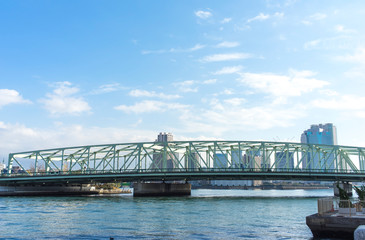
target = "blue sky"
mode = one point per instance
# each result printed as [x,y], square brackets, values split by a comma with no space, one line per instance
[93,72]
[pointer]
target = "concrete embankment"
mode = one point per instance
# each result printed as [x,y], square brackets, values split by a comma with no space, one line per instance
[161,189]
[114,191]
[41,190]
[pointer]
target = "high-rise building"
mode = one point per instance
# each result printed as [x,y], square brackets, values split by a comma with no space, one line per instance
[320,134]
[284,160]
[236,159]
[220,160]
[157,161]
[165,137]
[192,161]
[252,161]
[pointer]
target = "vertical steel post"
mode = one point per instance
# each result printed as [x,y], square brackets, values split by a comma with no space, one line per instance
[164,157]
[118,160]
[88,159]
[95,162]
[36,164]
[62,160]
[114,159]
[10,164]
[139,157]
[263,156]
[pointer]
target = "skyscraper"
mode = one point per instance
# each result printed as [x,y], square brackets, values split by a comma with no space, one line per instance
[165,137]
[158,161]
[319,134]
[284,161]
[220,160]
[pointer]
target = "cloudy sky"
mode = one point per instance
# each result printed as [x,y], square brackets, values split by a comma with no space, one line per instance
[93,72]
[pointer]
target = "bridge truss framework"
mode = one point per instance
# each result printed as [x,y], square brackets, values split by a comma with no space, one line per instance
[191,160]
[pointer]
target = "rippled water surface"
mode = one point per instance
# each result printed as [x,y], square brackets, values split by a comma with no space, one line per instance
[207,214]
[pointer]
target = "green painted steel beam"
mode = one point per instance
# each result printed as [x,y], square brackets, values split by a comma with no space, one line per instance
[158,158]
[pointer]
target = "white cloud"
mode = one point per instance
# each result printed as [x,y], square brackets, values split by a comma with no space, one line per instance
[226,44]
[63,101]
[235,101]
[344,102]
[315,17]
[186,86]
[145,52]
[8,96]
[282,37]
[192,49]
[209,81]
[107,88]
[357,57]
[229,70]
[191,85]
[358,60]
[226,57]
[150,106]
[203,14]
[144,93]
[196,47]
[283,86]
[318,16]
[225,92]
[338,42]
[28,138]
[226,20]
[343,30]
[279,14]
[260,17]
[231,115]
[306,22]
[312,44]
[328,92]
[263,17]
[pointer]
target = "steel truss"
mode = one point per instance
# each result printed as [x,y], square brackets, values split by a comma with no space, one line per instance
[194,156]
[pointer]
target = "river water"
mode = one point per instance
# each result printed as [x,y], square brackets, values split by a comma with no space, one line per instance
[206,214]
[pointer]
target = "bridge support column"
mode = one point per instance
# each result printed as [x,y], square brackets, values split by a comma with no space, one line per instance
[161,189]
[345,186]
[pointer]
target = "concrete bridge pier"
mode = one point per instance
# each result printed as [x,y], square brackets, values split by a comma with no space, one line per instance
[345,186]
[161,189]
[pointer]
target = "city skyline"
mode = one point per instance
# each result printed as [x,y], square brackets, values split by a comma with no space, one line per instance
[86,72]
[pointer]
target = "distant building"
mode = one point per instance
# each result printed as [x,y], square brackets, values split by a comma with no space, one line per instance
[192,161]
[2,168]
[158,158]
[320,134]
[165,137]
[220,160]
[284,160]
[236,159]
[252,161]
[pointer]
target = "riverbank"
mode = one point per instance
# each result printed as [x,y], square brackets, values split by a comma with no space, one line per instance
[264,187]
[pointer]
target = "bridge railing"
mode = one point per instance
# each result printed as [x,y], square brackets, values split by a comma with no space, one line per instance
[185,170]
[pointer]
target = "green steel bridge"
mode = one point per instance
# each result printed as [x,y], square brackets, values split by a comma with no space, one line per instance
[187,160]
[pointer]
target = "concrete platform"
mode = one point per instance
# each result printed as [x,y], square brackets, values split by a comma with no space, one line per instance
[334,225]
